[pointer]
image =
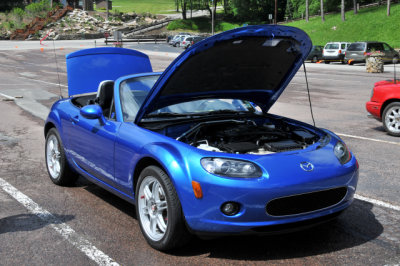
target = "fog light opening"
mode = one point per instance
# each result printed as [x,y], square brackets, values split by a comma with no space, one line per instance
[230,208]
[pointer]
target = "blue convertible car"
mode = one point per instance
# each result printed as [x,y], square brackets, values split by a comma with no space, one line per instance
[194,147]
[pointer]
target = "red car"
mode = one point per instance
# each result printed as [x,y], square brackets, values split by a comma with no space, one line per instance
[385,105]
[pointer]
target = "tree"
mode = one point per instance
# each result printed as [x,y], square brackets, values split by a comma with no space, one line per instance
[342,10]
[183,8]
[388,8]
[307,8]
[355,6]
[322,11]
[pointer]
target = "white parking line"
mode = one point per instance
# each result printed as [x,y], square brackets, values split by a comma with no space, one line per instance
[63,229]
[377,202]
[7,96]
[364,138]
[46,82]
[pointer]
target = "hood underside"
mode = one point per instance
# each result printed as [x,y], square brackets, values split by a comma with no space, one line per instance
[253,63]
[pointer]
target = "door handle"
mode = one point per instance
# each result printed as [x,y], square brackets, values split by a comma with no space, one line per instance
[74,119]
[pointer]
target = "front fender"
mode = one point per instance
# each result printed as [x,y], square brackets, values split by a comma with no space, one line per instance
[176,166]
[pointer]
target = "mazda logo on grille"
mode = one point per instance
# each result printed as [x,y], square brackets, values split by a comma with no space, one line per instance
[307,166]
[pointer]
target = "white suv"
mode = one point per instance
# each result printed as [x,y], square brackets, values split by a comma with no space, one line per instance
[334,52]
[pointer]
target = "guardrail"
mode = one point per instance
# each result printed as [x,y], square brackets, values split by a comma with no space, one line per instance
[138,39]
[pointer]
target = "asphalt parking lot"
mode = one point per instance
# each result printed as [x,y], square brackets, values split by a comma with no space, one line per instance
[41,223]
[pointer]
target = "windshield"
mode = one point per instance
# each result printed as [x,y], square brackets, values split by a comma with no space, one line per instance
[206,107]
[356,47]
[332,46]
[133,92]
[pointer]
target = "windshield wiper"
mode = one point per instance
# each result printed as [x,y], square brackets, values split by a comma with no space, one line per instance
[165,114]
[226,111]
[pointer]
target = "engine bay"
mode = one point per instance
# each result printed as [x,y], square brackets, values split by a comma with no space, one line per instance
[244,136]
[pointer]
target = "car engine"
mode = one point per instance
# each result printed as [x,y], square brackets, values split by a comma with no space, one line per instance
[248,137]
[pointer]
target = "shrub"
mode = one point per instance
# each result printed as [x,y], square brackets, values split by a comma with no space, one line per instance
[36,8]
[18,12]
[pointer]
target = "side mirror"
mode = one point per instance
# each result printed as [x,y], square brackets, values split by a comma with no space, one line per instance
[92,111]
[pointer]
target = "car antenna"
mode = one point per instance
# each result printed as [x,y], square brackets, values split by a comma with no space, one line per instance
[308,92]
[58,73]
[394,72]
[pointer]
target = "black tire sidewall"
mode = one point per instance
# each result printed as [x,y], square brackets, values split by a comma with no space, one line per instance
[384,118]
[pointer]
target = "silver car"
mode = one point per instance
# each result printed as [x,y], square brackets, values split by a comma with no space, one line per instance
[334,52]
[358,51]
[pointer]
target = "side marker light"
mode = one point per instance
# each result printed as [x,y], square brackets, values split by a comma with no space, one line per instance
[198,193]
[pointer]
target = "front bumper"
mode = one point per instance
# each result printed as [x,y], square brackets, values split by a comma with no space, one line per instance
[205,216]
[374,109]
[339,57]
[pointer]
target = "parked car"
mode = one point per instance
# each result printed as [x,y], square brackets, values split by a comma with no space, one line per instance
[384,105]
[188,147]
[334,52]
[185,42]
[189,41]
[358,51]
[315,54]
[176,40]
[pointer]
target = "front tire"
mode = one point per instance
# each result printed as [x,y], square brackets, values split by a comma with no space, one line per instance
[391,119]
[159,211]
[56,162]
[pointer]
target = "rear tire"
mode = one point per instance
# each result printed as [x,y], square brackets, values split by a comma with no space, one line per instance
[159,210]
[314,59]
[326,62]
[57,165]
[391,119]
[395,60]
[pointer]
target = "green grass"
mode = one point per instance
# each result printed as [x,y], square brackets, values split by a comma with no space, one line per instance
[141,6]
[201,24]
[369,24]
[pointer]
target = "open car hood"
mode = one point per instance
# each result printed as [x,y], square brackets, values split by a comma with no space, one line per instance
[87,68]
[253,63]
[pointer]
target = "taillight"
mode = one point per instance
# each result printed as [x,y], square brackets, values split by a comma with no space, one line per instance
[365,53]
[192,42]
[183,42]
[340,51]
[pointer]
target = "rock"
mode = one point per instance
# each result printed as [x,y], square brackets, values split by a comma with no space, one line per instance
[374,64]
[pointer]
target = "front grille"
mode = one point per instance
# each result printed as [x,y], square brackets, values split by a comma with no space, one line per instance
[307,202]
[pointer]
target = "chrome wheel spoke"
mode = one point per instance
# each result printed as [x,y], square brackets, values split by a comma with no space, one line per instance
[161,223]
[153,225]
[161,205]
[147,193]
[145,211]
[154,192]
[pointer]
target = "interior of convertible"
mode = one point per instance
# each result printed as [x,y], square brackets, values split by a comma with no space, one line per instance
[104,98]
